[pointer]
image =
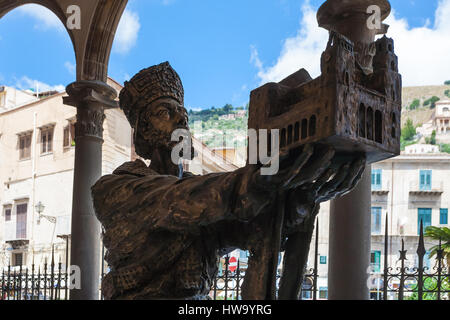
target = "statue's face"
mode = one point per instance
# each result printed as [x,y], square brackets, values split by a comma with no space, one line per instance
[162,117]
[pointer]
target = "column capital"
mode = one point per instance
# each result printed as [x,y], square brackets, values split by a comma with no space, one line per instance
[90,98]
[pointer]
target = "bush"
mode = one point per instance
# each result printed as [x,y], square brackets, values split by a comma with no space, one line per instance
[447,83]
[447,93]
[415,104]
[445,147]
[409,131]
[432,102]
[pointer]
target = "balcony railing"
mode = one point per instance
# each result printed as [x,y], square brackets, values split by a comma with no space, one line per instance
[437,188]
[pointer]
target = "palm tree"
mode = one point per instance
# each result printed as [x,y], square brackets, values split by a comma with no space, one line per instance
[442,234]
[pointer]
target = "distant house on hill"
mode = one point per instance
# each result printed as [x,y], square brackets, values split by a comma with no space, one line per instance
[442,117]
[241,113]
[230,116]
[440,122]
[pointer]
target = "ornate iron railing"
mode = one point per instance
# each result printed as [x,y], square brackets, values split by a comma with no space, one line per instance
[419,282]
[47,283]
[51,281]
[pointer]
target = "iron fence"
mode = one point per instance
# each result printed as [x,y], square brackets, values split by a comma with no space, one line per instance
[47,283]
[51,281]
[418,283]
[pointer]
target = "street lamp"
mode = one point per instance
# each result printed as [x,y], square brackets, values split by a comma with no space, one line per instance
[40,208]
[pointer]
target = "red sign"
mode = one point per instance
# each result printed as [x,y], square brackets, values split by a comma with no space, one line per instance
[232,264]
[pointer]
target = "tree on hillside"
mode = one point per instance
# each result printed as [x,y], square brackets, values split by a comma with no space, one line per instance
[415,104]
[409,131]
[227,108]
[447,83]
[432,102]
[447,93]
[432,139]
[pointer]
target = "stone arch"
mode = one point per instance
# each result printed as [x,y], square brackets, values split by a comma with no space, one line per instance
[8,5]
[92,48]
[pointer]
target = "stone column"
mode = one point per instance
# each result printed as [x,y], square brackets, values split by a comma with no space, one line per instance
[90,98]
[349,243]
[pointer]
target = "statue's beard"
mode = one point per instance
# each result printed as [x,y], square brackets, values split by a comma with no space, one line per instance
[160,141]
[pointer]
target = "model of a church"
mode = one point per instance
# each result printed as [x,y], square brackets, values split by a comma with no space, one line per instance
[347,106]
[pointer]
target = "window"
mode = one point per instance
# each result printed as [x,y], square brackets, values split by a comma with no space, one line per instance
[424,215]
[443,217]
[21,221]
[376,220]
[25,146]
[376,179]
[46,140]
[69,136]
[323,259]
[7,211]
[375,261]
[425,180]
[18,259]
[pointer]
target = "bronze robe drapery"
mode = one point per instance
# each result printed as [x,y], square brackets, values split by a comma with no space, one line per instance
[163,234]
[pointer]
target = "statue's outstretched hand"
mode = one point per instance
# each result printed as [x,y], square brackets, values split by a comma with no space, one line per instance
[304,169]
[333,181]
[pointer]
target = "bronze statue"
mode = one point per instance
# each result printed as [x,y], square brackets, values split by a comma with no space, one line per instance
[164,234]
[165,229]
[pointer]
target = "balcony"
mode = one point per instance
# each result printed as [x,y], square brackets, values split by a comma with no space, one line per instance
[381,190]
[14,236]
[437,188]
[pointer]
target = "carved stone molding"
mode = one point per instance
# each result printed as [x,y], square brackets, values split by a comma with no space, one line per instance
[89,123]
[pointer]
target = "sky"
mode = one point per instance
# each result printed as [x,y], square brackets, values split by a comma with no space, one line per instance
[221,49]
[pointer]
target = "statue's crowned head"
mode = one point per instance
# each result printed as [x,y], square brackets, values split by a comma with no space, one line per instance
[153,104]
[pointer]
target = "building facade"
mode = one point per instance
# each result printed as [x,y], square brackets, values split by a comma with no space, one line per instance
[12,98]
[37,159]
[410,188]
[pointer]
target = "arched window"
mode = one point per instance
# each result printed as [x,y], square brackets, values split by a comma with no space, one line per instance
[304,129]
[369,123]
[283,138]
[378,126]
[312,126]
[362,121]
[297,131]
[289,135]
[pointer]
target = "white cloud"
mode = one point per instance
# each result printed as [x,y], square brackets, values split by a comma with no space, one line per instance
[301,51]
[127,32]
[46,18]
[423,51]
[71,68]
[25,83]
